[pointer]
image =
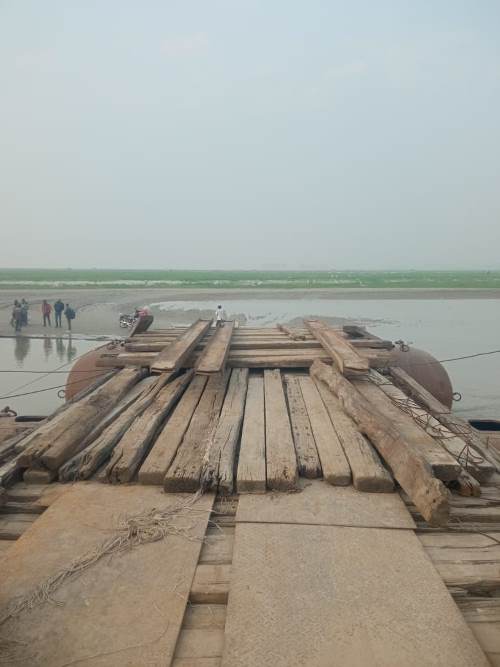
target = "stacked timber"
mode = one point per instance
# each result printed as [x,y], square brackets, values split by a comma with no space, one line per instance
[249,410]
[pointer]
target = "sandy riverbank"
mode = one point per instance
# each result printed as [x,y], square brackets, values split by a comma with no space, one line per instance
[98,310]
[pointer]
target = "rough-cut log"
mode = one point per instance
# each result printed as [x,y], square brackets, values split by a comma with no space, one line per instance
[252,358]
[443,414]
[218,466]
[84,464]
[155,467]
[281,461]
[481,470]
[335,466]
[444,466]
[213,358]
[294,335]
[64,436]
[409,468]
[130,451]
[173,357]
[368,473]
[303,438]
[340,350]
[184,473]
[251,476]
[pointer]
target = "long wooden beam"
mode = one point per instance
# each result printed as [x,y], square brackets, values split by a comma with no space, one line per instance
[442,413]
[213,357]
[175,354]
[344,354]
[410,469]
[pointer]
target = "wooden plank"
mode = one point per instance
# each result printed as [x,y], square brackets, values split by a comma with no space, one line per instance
[217,547]
[198,645]
[281,462]
[409,467]
[67,437]
[443,465]
[173,357]
[184,473]
[455,446]
[213,359]
[130,451]
[335,466]
[165,447]
[294,335]
[368,472]
[341,618]
[210,584]
[220,458]
[305,447]
[203,616]
[341,351]
[443,415]
[251,477]
[104,616]
[84,464]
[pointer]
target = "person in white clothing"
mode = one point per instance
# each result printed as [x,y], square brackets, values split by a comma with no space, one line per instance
[219,317]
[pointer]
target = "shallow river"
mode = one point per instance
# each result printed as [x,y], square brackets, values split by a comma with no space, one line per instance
[36,364]
[447,328]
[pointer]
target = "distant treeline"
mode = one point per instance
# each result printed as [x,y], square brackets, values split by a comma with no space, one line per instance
[88,278]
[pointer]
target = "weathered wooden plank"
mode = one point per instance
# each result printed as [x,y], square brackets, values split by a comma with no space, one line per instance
[281,462]
[408,466]
[84,464]
[184,473]
[213,358]
[444,415]
[165,447]
[142,325]
[68,435]
[341,351]
[368,473]
[335,466]
[210,584]
[220,458]
[177,352]
[251,477]
[305,447]
[294,335]
[130,451]
[457,448]
[443,465]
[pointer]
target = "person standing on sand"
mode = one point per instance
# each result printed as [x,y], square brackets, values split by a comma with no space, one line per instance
[58,310]
[70,315]
[24,312]
[17,316]
[46,310]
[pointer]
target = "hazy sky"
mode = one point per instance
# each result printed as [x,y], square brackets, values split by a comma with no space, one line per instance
[250,134]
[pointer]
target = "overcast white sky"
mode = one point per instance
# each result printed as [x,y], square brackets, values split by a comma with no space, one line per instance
[250,134]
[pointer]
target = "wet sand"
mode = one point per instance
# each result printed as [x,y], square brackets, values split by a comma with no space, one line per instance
[98,310]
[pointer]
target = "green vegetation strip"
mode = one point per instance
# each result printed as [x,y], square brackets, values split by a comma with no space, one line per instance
[116,278]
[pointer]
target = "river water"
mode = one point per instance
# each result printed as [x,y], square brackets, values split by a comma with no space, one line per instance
[445,328]
[29,365]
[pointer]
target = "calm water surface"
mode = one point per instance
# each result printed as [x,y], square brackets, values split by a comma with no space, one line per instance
[31,354]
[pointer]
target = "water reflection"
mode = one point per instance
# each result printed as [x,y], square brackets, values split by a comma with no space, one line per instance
[21,349]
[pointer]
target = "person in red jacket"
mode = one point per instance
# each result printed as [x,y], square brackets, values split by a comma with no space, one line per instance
[46,310]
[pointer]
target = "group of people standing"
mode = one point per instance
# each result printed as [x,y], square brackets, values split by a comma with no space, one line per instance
[20,313]
[59,310]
